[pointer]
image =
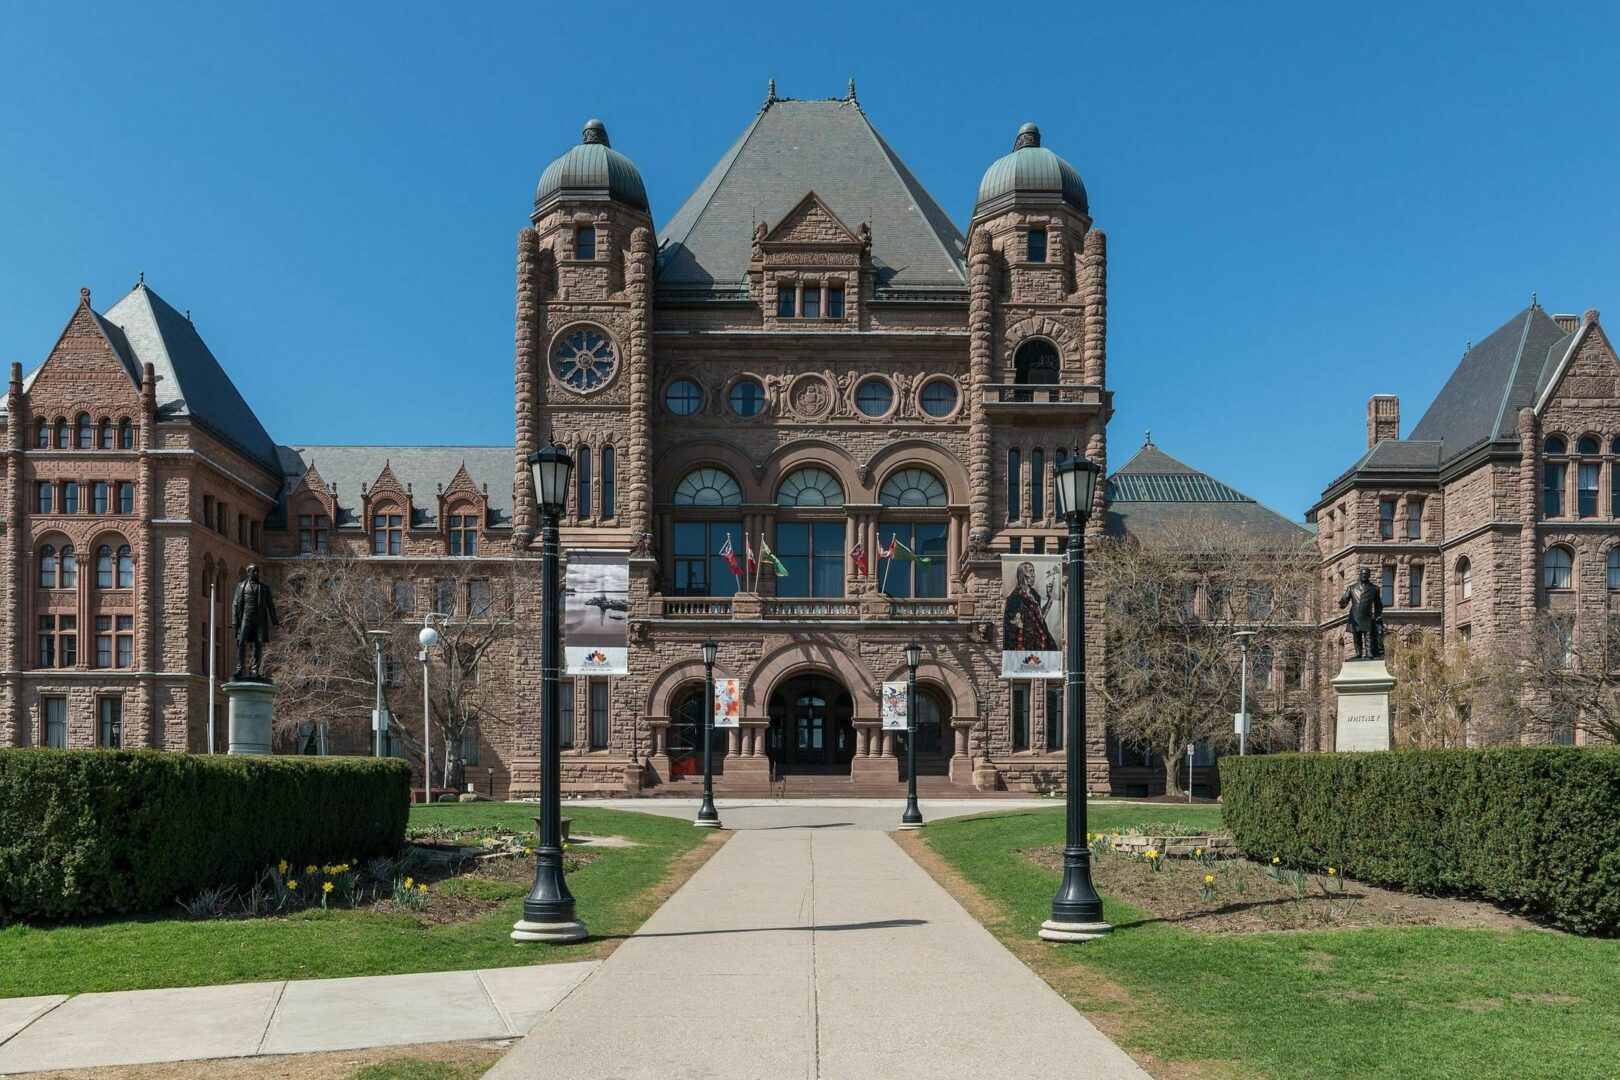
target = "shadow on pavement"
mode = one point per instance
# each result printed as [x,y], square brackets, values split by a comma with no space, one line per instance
[881,924]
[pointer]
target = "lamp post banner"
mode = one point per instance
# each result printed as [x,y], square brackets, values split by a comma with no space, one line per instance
[894,706]
[596,615]
[727,703]
[1032,616]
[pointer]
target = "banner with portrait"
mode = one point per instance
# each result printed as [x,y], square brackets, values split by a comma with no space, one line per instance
[1032,616]
[894,706]
[727,703]
[596,613]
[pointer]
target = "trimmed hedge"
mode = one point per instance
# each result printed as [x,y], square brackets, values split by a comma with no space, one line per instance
[1536,829]
[104,832]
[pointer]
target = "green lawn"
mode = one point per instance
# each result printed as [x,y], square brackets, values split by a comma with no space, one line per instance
[613,896]
[1410,1003]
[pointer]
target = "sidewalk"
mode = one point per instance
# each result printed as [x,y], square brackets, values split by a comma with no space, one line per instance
[136,1027]
[813,950]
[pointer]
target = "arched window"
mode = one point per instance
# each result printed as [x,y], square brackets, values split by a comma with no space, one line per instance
[1014,482]
[87,432]
[47,567]
[42,433]
[104,567]
[126,568]
[1555,444]
[1614,568]
[1037,485]
[387,530]
[1587,444]
[64,436]
[912,487]
[1034,364]
[582,478]
[126,434]
[1553,476]
[1465,579]
[609,475]
[106,433]
[1558,567]
[810,487]
[708,487]
[70,568]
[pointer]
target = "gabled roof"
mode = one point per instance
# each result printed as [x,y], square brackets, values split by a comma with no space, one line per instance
[190,382]
[1495,379]
[1153,490]
[794,147]
[422,468]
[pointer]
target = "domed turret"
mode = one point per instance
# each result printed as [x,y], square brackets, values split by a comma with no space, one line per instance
[592,170]
[1030,170]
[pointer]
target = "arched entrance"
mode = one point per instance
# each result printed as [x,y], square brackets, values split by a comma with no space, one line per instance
[811,729]
[686,733]
[934,737]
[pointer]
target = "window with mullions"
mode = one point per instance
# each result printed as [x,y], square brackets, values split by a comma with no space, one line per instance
[55,710]
[814,557]
[599,714]
[387,533]
[585,242]
[1014,481]
[835,301]
[784,301]
[811,304]
[312,534]
[747,397]
[45,499]
[609,477]
[70,497]
[582,478]
[1386,519]
[126,498]
[565,714]
[101,497]
[697,567]
[914,579]
[1386,587]
[1054,718]
[110,722]
[1020,718]
[107,435]
[464,534]
[1586,488]
[1037,485]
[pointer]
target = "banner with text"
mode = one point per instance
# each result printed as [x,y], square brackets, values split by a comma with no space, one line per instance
[894,706]
[596,613]
[1032,596]
[727,703]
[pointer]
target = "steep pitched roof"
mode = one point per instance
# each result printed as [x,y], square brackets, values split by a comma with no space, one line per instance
[1495,379]
[423,468]
[794,147]
[1153,490]
[190,382]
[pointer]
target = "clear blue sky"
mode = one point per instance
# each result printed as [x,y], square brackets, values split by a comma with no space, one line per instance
[1306,204]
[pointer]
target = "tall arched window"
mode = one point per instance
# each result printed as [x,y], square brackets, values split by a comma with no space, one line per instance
[126,434]
[916,567]
[582,478]
[1587,471]
[47,567]
[708,487]
[609,478]
[1553,476]
[64,435]
[87,432]
[69,578]
[810,487]
[704,531]
[1465,579]
[1036,364]
[1015,475]
[106,434]
[42,433]
[1037,485]
[126,568]
[104,567]
[912,487]
[1558,568]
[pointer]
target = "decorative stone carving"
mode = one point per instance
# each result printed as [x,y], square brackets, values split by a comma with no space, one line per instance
[810,397]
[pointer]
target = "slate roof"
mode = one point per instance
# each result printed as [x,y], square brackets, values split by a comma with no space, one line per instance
[1495,379]
[190,382]
[422,468]
[1153,491]
[790,149]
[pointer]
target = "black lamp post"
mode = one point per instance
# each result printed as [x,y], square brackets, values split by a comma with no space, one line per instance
[912,818]
[1077,909]
[548,910]
[707,816]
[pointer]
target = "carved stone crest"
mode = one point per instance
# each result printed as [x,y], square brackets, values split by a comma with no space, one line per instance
[811,396]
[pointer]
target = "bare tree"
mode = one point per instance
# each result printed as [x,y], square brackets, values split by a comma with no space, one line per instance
[1551,683]
[1435,690]
[1172,600]
[324,659]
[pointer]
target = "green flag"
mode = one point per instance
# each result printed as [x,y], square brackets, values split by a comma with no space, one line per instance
[767,557]
[897,550]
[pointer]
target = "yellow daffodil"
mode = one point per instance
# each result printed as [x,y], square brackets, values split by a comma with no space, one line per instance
[310,869]
[292,884]
[281,867]
[1209,879]
[1198,851]
[327,887]
[1331,871]
[421,888]
[1275,860]
[409,882]
[568,847]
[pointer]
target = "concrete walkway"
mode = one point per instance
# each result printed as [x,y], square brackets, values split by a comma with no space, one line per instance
[137,1027]
[813,949]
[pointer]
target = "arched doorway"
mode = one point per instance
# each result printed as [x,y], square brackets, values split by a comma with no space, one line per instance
[1035,363]
[935,739]
[686,733]
[811,727]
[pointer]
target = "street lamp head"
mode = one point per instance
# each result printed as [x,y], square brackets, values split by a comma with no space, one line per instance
[428,637]
[378,635]
[552,469]
[1076,486]
[1243,637]
[913,654]
[709,651]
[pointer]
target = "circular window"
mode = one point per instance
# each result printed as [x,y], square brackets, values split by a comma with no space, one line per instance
[747,397]
[939,398]
[874,397]
[583,360]
[683,397]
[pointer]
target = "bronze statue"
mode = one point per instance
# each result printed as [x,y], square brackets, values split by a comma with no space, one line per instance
[1023,618]
[1366,617]
[253,613]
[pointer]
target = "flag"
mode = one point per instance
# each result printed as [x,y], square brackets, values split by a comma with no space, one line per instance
[749,558]
[768,558]
[857,555]
[730,556]
[897,550]
[885,552]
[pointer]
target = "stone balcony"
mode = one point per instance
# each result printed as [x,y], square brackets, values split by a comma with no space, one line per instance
[1038,399]
[868,607]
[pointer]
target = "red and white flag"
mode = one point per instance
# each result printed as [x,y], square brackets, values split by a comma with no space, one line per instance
[748,554]
[730,556]
[857,555]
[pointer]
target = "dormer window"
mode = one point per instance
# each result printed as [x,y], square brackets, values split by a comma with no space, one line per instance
[387,532]
[585,242]
[835,301]
[1036,248]
[784,302]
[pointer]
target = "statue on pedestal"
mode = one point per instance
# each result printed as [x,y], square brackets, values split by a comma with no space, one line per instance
[1366,616]
[253,613]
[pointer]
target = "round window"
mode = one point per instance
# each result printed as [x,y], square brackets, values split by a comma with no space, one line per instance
[747,397]
[583,360]
[873,397]
[683,397]
[939,398]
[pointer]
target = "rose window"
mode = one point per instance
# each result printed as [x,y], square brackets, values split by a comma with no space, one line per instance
[584,360]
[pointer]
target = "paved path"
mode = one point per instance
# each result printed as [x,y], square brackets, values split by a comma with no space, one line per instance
[811,952]
[135,1027]
[817,813]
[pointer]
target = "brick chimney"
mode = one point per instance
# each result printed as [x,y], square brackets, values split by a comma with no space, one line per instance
[1383,418]
[1567,323]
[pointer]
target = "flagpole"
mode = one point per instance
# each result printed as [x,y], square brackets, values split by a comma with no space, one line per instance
[736,577]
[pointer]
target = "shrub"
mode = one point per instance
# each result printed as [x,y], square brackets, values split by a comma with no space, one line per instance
[1536,829]
[102,832]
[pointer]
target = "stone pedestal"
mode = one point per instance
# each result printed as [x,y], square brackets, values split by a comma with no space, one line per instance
[1363,687]
[251,711]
